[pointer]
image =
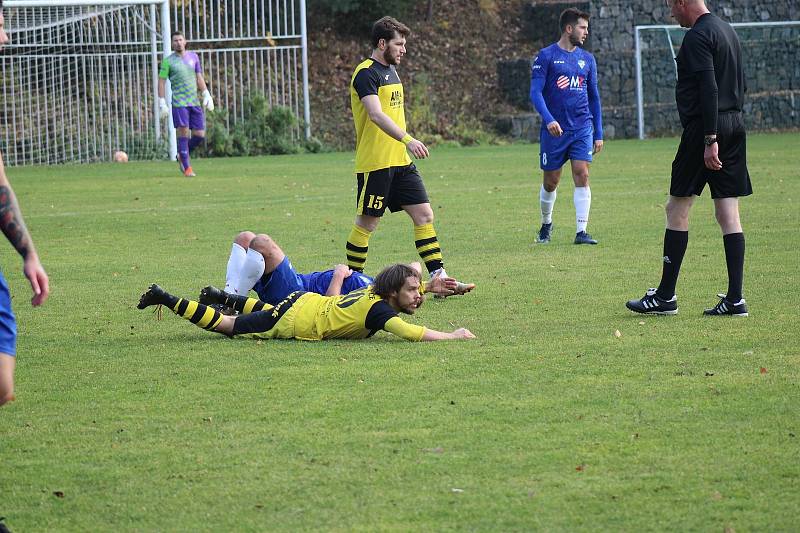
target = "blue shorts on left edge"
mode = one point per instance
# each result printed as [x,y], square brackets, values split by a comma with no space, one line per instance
[575,145]
[8,324]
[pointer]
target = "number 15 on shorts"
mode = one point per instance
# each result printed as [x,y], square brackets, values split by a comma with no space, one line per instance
[375,202]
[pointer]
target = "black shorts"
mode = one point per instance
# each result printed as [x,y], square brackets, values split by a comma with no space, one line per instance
[689,173]
[391,187]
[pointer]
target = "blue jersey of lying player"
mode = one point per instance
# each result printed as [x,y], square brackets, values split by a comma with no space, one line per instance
[564,89]
[274,286]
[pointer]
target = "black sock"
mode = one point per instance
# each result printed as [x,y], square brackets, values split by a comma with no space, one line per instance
[675,243]
[734,257]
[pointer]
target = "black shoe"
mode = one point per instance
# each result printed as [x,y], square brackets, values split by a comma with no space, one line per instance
[155,295]
[584,238]
[212,295]
[651,304]
[727,308]
[544,233]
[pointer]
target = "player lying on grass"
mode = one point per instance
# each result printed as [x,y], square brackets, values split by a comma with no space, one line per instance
[311,316]
[258,263]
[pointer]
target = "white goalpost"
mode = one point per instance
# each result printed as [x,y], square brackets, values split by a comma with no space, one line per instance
[79,80]
[769,48]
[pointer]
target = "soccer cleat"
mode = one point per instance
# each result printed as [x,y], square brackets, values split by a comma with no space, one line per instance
[211,295]
[189,173]
[584,238]
[155,295]
[727,308]
[651,304]
[544,233]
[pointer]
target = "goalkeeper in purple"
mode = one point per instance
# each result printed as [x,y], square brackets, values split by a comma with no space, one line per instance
[185,75]
[564,92]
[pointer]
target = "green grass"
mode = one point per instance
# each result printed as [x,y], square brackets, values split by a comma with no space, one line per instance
[546,421]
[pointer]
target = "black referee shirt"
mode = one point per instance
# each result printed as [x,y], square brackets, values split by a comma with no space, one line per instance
[710,45]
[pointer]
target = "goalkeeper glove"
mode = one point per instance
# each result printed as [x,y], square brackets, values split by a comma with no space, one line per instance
[162,105]
[208,102]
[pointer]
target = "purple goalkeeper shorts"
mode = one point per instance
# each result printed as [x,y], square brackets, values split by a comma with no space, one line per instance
[188,117]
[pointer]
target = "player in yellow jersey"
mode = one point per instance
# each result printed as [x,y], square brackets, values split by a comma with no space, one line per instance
[385,174]
[310,316]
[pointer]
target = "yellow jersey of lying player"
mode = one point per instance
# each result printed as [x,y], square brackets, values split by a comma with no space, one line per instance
[310,316]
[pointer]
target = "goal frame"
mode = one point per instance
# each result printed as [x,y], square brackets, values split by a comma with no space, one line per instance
[670,27]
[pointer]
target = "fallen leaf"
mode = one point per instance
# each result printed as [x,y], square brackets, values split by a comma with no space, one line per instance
[58,494]
[763,370]
[457,491]
[617,334]
[641,322]
[580,468]
[748,352]
[716,495]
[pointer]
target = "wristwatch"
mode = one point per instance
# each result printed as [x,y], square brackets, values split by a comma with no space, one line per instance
[708,140]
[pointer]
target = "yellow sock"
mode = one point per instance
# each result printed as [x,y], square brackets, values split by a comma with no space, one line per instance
[428,247]
[357,247]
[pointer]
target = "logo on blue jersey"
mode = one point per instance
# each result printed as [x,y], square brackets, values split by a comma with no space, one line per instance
[581,63]
[573,83]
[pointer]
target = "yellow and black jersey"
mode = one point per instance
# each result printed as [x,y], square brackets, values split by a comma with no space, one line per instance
[310,316]
[374,148]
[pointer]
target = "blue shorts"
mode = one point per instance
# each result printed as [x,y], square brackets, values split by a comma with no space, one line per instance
[575,145]
[320,281]
[274,287]
[8,324]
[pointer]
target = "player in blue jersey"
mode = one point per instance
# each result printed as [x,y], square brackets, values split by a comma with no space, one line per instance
[13,227]
[564,92]
[257,263]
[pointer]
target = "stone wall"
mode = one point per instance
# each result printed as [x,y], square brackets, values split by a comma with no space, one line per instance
[773,72]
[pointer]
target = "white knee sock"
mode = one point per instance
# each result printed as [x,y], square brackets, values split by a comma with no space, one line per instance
[235,262]
[583,202]
[251,271]
[547,200]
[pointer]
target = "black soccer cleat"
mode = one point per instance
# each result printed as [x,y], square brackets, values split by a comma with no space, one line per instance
[544,233]
[584,238]
[727,308]
[155,295]
[212,295]
[651,304]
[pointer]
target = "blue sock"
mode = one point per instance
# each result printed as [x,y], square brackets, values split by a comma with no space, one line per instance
[195,141]
[183,151]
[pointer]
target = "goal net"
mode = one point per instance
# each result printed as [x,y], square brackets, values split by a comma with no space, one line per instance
[79,82]
[770,50]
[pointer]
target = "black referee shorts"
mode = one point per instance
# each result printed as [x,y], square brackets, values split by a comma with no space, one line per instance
[689,173]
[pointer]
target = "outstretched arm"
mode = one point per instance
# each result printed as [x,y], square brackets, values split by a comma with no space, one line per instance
[13,227]
[411,332]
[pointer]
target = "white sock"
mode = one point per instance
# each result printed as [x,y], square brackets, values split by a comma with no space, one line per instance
[251,271]
[547,200]
[583,201]
[235,262]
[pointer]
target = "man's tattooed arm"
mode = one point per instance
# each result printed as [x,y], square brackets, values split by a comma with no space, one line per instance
[11,222]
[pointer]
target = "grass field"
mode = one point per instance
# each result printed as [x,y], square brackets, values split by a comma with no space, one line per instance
[548,421]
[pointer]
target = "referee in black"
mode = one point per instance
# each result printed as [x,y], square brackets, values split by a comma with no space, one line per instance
[710,96]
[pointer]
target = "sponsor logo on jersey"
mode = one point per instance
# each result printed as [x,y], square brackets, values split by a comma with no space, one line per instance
[558,61]
[396,99]
[573,83]
[387,77]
